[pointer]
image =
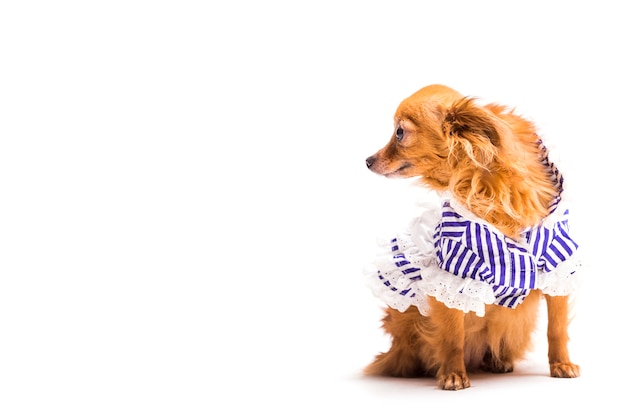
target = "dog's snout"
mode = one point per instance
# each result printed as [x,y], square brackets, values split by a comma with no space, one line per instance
[370,161]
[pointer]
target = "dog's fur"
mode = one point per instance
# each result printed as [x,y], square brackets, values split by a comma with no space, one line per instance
[487,158]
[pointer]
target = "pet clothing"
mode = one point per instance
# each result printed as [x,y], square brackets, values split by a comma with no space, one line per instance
[466,263]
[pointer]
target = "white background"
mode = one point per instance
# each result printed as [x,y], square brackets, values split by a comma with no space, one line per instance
[185,210]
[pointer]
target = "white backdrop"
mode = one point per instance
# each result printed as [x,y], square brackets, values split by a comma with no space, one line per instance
[185,210]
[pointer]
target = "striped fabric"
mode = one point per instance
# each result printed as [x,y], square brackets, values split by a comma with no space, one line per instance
[472,250]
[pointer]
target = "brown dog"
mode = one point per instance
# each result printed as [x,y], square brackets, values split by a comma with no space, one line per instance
[493,168]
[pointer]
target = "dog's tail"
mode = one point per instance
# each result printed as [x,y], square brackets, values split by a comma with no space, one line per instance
[403,358]
[396,364]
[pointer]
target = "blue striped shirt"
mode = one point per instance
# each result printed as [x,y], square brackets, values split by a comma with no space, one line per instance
[472,250]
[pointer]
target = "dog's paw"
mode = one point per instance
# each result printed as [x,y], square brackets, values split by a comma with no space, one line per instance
[454,381]
[492,363]
[496,366]
[564,370]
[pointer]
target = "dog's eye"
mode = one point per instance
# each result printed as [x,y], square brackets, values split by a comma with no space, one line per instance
[399,133]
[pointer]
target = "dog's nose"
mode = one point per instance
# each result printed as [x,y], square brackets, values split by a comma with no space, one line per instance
[370,161]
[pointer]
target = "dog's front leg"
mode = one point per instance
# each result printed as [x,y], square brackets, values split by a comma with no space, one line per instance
[450,339]
[558,322]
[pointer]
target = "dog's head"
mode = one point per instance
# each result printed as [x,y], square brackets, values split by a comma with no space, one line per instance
[437,133]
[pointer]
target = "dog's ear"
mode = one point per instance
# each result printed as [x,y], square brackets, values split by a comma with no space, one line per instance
[472,131]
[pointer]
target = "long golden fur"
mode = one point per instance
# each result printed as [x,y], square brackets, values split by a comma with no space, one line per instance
[487,158]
